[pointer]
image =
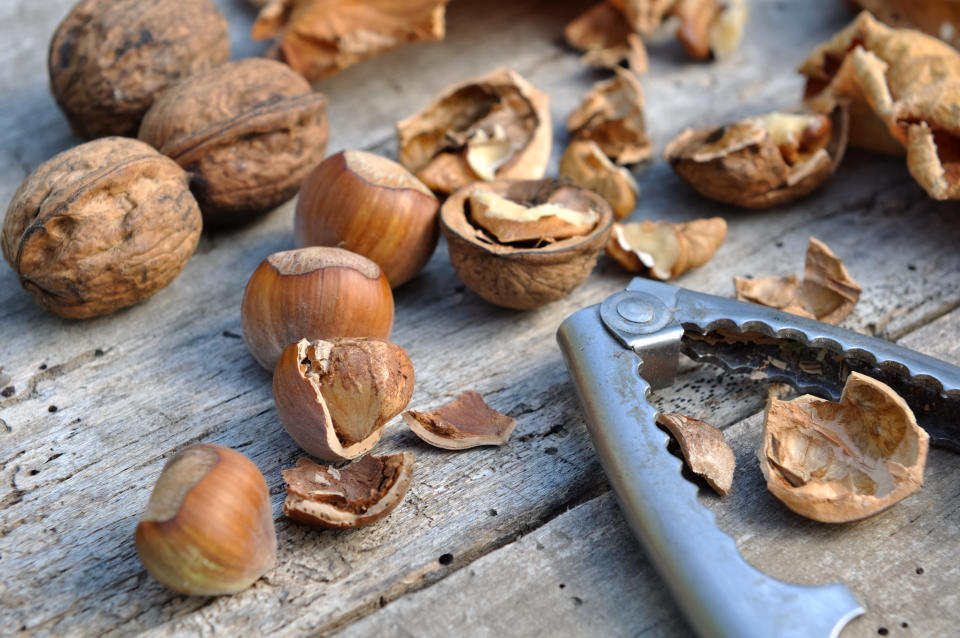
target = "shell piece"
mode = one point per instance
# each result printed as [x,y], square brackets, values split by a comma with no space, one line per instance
[929,122]
[695,18]
[248,132]
[603,34]
[529,275]
[463,136]
[585,164]
[939,18]
[726,29]
[109,59]
[320,37]
[704,449]
[611,115]
[465,422]
[845,461]
[359,494]
[666,249]
[782,293]
[644,16]
[334,397]
[511,222]
[764,160]
[100,227]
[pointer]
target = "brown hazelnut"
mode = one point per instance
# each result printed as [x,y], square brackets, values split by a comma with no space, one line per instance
[465,422]
[334,397]
[372,206]
[529,273]
[109,59]
[100,227]
[313,293]
[248,132]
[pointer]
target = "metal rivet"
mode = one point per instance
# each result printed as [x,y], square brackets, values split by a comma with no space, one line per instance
[636,310]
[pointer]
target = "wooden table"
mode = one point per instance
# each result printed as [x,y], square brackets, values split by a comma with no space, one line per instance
[520,540]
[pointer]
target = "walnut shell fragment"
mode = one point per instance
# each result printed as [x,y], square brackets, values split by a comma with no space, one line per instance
[100,227]
[493,126]
[334,397]
[109,59]
[606,39]
[465,422]
[611,115]
[939,18]
[644,16]
[842,462]
[526,274]
[704,449]
[827,293]
[761,161]
[318,38]
[248,132]
[585,165]
[666,249]
[359,494]
[928,121]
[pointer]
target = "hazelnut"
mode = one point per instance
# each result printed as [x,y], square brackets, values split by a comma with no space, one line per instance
[248,132]
[208,527]
[359,494]
[494,126]
[465,422]
[334,397]
[314,293]
[109,59]
[372,206]
[531,272]
[100,227]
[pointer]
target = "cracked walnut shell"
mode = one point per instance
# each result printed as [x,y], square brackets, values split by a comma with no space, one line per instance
[247,132]
[100,227]
[664,249]
[611,115]
[109,59]
[704,449]
[845,461]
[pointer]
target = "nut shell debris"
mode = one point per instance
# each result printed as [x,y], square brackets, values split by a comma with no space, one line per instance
[359,494]
[584,164]
[663,249]
[845,461]
[939,18]
[704,449]
[612,115]
[465,422]
[605,37]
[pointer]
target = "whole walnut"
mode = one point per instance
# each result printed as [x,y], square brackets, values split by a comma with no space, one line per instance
[248,132]
[110,58]
[100,227]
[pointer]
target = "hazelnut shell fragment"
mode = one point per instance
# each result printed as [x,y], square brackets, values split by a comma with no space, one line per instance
[842,462]
[465,422]
[100,227]
[612,115]
[334,397]
[359,494]
[109,59]
[585,164]
[248,132]
[744,165]
[666,249]
[519,276]
[704,449]
[501,106]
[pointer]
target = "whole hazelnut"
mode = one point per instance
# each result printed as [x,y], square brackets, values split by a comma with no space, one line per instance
[208,527]
[100,227]
[248,132]
[313,293]
[372,206]
[110,58]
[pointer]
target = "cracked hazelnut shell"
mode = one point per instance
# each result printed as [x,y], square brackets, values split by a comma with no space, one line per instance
[109,59]
[313,293]
[465,422]
[372,206]
[704,449]
[523,277]
[100,227]
[248,133]
[359,494]
[335,396]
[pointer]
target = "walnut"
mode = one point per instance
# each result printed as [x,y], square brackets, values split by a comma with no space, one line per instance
[100,227]
[761,161]
[320,37]
[109,59]
[611,115]
[248,133]
[664,249]
[494,126]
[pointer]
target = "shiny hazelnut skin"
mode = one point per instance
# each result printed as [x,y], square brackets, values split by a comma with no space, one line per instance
[372,206]
[208,527]
[313,293]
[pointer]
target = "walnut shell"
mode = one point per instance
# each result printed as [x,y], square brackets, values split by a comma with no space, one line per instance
[109,59]
[612,115]
[523,276]
[742,164]
[248,132]
[100,227]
